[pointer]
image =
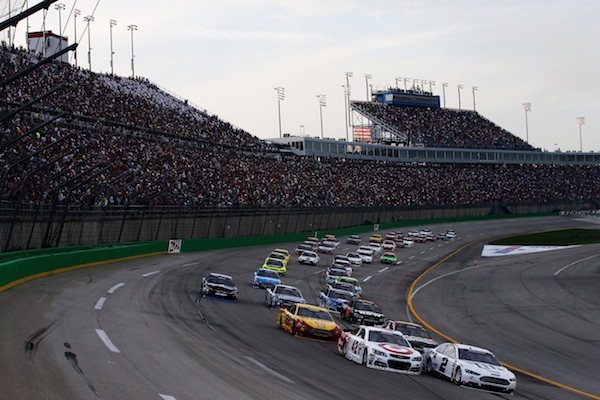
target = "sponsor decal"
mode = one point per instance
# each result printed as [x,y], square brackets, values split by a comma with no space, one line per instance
[494,251]
[392,348]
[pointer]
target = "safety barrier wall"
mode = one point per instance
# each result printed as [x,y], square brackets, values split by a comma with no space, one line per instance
[22,266]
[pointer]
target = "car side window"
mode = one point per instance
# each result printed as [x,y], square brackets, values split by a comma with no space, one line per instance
[361,333]
[292,309]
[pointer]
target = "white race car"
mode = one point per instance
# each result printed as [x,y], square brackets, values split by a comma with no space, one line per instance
[309,257]
[470,366]
[380,348]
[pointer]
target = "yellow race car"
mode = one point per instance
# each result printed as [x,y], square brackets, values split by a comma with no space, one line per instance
[275,265]
[376,237]
[286,253]
[308,321]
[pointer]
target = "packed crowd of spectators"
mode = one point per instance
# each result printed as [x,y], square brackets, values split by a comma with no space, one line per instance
[123,141]
[443,127]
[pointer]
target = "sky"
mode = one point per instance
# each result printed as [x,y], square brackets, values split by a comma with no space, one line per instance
[228,56]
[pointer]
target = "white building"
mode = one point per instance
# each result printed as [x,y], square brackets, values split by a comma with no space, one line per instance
[47,44]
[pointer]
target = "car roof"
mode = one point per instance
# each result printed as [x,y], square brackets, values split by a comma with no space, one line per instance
[220,275]
[470,347]
[406,323]
[311,306]
[281,251]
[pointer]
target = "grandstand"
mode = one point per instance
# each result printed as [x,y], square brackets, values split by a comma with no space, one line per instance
[73,140]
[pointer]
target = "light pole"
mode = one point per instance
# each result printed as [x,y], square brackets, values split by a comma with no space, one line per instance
[444,86]
[89,19]
[348,117]
[322,103]
[398,79]
[431,83]
[423,83]
[112,69]
[405,81]
[416,85]
[346,105]
[302,130]
[76,12]
[280,96]
[59,7]
[527,107]
[132,28]
[367,77]
[459,87]
[580,122]
[474,89]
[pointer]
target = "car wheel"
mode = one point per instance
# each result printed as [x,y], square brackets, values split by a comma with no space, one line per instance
[457,376]
[293,328]
[364,357]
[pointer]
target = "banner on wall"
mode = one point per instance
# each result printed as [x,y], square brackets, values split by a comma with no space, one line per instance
[175,246]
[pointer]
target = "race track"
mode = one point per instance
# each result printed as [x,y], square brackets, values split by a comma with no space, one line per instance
[138,330]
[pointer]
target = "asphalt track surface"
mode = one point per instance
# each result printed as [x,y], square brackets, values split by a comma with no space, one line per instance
[138,330]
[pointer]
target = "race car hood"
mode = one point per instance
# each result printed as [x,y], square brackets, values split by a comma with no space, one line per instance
[219,286]
[287,298]
[485,368]
[266,279]
[393,348]
[318,323]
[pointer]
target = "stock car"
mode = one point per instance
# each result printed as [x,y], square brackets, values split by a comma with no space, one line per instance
[302,247]
[388,245]
[353,281]
[335,299]
[362,312]
[219,285]
[354,258]
[366,255]
[308,321]
[264,278]
[326,247]
[283,296]
[354,239]
[388,257]
[376,237]
[380,348]
[309,257]
[275,265]
[278,256]
[416,335]
[333,273]
[286,254]
[470,366]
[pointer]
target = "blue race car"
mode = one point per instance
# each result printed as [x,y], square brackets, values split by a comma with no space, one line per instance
[335,299]
[265,278]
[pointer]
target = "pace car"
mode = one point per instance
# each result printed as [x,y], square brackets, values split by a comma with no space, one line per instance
[470,366]
[264,278]
[219,285]
[380,348]
[416,335]
[308,321]
[363,312]
[335,299]
[283,295]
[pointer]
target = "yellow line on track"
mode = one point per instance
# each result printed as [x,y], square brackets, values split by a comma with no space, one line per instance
[448,338]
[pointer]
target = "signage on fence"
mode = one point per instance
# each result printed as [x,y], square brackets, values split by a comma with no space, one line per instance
[175,246]
[376,227]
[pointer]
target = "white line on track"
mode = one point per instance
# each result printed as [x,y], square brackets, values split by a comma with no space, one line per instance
[411,257]
[319,271]
[104,337]
[189,265]
[269,370]
[384,269]
[367,278]
[167,397]
[422,252]
[151,273]
[573,263]
[100,303]
[112,289]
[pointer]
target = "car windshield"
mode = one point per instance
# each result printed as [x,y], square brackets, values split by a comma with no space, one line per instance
[274,262]
[278,256]
[221,280]
[387,337]
[341,294]
[363,252]
[312,313]
[410,330]
[288,291]
[363,305]
[472,355]
[267,273]
[344,286]
[309,254]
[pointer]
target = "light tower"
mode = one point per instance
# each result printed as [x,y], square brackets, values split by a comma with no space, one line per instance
[280,96]
[474,89]
[459,87]
[132,28]
[322,103]
[444,86]
[89,19]
[580,122]
[112,23]
[527,108]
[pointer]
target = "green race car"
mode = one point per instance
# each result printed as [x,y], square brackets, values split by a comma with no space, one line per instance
[388,257]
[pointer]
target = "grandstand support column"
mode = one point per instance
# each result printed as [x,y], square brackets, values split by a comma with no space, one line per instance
[280,96]
[132,28]
[527,107]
